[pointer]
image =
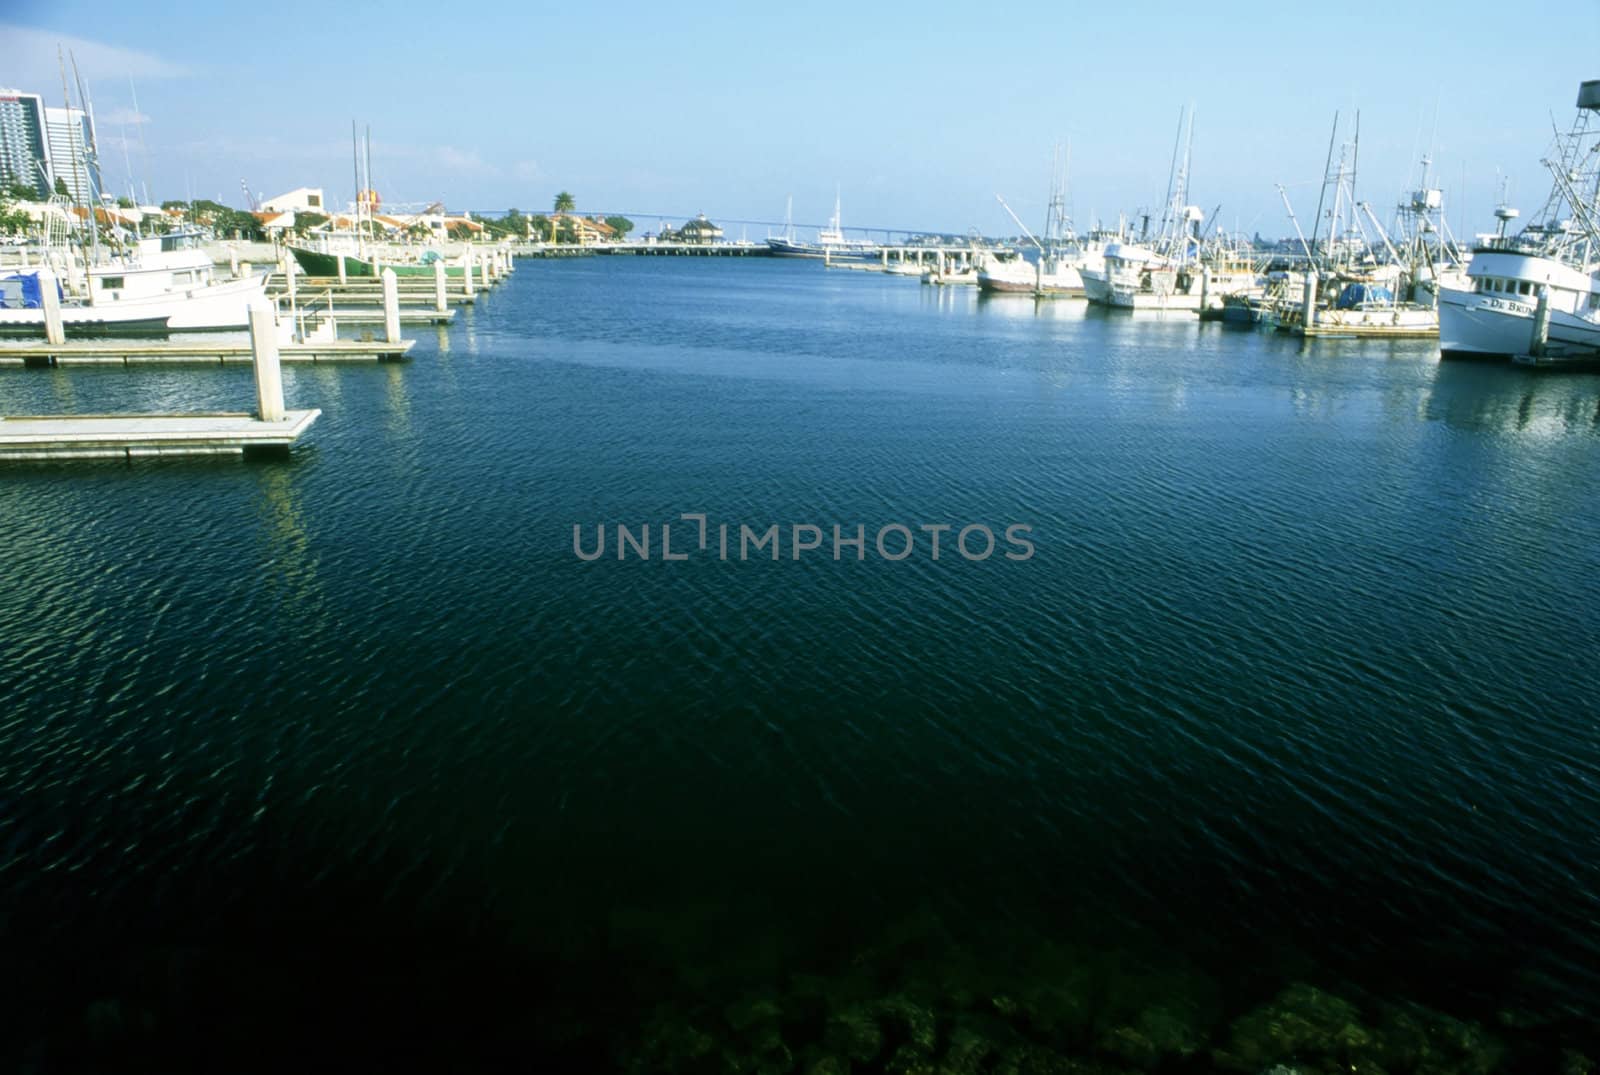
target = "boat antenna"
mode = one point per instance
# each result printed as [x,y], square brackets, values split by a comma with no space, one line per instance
[1172,170]
[355,167]
[1316,222]
[144,150]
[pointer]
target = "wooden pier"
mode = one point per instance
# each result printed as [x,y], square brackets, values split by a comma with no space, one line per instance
[169,352]
[271,429]
[133,436]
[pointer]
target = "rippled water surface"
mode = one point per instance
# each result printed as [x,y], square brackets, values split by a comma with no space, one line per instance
[1298,686]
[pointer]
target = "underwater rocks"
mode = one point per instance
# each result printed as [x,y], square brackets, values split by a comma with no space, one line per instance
[1310,1032]
[917,1003]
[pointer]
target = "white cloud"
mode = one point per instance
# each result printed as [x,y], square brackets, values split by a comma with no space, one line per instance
[527,171]
[464,160]
[28,60]
[120,116]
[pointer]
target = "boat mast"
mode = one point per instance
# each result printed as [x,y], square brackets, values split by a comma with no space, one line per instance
[1316,221]
[77,177]
[1172,173]
[371,224]
[355,169]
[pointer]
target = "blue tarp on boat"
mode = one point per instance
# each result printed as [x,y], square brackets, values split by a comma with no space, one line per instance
[21,291]
[1355,295]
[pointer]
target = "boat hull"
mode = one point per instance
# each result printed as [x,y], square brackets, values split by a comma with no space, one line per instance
[221,307]
[785,248]
[317,263]
[78,325]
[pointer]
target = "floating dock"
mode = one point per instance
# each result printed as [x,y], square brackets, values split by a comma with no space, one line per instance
[134,436]
[169,352]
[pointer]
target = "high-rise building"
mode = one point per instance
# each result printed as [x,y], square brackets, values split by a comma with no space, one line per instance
[24,157]
[69,143]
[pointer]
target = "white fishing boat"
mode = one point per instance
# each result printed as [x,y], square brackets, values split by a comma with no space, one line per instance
[1058,272]
[22,312]
[1057,269]
[1537,293]
[171,276]
[1178,270]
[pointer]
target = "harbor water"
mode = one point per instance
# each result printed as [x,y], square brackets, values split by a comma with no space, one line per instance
[1290,714]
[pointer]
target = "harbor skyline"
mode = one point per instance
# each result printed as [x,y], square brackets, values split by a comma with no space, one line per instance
[919,116]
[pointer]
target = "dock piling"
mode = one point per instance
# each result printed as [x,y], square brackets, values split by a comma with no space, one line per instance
[1308,302]
[264,353]
[1541,324]
[391,307]
[466,273]
[54,331]
[438,287]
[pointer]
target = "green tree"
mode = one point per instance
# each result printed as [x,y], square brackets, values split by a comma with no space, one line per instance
[233,223]
[20,192]
[619,224]
[124,203]
[542,229]
[566,231]
[565,203]
[13,221]
[307,222]
[61,186]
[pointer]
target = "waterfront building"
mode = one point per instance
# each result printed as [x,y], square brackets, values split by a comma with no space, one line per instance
[69,145]
[301,199]
[275,223]
[699,231]
[585,230]
[24,159]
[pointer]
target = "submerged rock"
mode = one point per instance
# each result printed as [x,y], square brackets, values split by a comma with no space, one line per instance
[916,1022]
[1302,1023]
[1413,1038]
[910,1060]
[827,1065]
[853,1033]
[1156,1035]
[671,1043]
[752,1011]
[1575,1063]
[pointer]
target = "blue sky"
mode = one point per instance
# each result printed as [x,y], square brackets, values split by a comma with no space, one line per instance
[919,112]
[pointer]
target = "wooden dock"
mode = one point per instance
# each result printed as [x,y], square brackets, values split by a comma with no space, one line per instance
[170,352]
[134,436]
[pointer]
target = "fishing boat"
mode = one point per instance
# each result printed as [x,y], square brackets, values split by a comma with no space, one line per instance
[1179,269]
[831,243]
[1537,293]
[171,276]
[22,313]
[1056,271]
[164,283]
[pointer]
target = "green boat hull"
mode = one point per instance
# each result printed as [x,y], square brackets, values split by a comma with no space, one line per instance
[315,263]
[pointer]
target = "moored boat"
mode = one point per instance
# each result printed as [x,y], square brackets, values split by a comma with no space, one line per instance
[831,243]
[1537,293]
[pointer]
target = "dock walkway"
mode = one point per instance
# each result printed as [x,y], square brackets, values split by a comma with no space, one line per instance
[131,436]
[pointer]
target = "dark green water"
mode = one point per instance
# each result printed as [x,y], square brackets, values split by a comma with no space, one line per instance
[351,757]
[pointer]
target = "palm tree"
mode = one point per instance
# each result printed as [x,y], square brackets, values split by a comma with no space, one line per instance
[565,203]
